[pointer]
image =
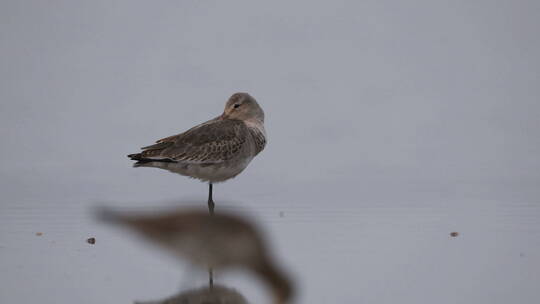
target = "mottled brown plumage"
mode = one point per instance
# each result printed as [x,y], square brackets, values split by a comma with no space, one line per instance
[213,151]
[216,141]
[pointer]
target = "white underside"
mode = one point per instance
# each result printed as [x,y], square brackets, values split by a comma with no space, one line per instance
[214,173]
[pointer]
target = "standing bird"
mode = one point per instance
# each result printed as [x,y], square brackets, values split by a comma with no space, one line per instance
[214,151]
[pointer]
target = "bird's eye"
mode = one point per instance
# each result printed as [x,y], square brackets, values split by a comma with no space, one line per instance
[236,105]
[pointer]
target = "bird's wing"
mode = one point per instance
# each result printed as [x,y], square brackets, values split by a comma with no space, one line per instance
[210,142]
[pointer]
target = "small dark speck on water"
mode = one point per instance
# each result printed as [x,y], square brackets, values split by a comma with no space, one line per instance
[454,234]
[91,241]
[521,254]
[281,214]
[39,233]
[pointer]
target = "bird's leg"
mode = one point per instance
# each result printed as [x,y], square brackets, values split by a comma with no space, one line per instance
[211,210]
[210,200]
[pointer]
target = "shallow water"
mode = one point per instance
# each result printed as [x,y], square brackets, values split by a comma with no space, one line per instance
[338,248]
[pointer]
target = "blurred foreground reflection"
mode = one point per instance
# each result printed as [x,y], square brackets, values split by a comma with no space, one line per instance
[220,241]
[216,295]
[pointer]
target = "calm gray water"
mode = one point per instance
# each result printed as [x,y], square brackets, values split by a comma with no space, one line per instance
[390,126]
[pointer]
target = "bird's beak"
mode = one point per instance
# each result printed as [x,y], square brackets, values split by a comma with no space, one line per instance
[223,116]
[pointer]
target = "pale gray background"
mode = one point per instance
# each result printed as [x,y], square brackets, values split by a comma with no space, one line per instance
[390,124]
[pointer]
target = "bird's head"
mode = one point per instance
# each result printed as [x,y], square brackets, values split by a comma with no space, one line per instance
[241,106]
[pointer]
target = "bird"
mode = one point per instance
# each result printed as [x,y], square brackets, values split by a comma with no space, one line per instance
[213,151]
[216,241]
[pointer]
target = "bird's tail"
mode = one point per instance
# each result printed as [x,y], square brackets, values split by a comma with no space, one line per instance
[141,160]
[135,156]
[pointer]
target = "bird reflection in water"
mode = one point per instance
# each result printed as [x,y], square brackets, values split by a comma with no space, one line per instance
[216,295]
[219,241]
